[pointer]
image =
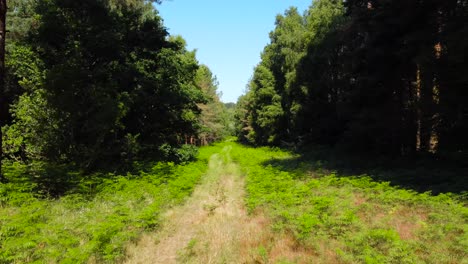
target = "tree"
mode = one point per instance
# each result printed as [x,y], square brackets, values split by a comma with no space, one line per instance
[266,103]
[243,118]
[450,20]
[104,84]
[318,84]
[213,111]
[270,104]
[3,106]
[383,77]
[281,56]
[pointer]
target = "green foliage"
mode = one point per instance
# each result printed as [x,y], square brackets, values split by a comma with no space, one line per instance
[117,92]
[183,154]
[21,19]
[366,76]
[380,245]
[243,119]
[96,219]
[34,132]
[215,119]
[266,106]
[361,220]
[25,69]
[264,114]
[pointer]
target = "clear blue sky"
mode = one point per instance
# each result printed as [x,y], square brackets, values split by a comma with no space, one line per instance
[228,35]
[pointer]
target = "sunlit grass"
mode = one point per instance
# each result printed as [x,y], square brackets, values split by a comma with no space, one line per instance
[299,213]
[352,219]
[83,227]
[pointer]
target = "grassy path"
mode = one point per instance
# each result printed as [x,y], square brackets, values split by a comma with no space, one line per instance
[263,205]
[213,225]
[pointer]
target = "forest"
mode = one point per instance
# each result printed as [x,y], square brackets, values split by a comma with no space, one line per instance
[349,145]
[385,77]
[100,84]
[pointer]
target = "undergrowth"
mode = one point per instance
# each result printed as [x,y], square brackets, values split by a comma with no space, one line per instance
[95,221]
[338,218]
[353,219]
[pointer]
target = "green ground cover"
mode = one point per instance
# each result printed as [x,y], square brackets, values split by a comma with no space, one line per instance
[352,219]
[339,218]
[94,220]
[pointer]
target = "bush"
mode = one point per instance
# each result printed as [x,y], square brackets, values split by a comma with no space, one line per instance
[185,153]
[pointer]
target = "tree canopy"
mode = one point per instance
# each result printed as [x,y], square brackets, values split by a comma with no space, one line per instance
[381,77]
[101,82]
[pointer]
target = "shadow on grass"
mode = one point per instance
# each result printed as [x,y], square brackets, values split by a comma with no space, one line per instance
[421,174]
[53,180]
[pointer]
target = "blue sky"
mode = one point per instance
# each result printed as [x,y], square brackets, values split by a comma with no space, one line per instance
[228,35]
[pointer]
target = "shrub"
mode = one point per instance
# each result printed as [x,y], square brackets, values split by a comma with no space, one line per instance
[185,153]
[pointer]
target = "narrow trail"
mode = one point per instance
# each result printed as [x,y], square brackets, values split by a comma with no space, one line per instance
[213,226]
[208,228]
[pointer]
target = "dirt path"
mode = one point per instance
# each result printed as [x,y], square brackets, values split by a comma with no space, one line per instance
[213,226]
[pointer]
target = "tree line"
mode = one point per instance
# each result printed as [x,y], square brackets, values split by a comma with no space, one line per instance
[373,76]
[99,83]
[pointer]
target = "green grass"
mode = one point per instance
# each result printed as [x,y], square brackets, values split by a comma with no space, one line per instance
[352,219]
[95,220]
[338,218]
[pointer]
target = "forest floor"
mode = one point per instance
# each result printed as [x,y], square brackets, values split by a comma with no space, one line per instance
[263,205]
[237,204]
[213,226]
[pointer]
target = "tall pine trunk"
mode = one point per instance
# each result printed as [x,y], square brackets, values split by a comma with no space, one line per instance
[3,11]
[426,107]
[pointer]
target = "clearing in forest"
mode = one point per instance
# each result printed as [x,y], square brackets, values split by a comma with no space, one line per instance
[213,226]
[263,205]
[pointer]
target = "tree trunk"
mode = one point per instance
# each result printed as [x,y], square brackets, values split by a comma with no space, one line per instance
[3,11]
[426,108]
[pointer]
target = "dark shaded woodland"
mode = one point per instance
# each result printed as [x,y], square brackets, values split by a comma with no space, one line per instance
[387,77]
[100,84]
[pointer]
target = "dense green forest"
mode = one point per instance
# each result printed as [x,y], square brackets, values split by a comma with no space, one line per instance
[349,146]
[100,84]
[382,77]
